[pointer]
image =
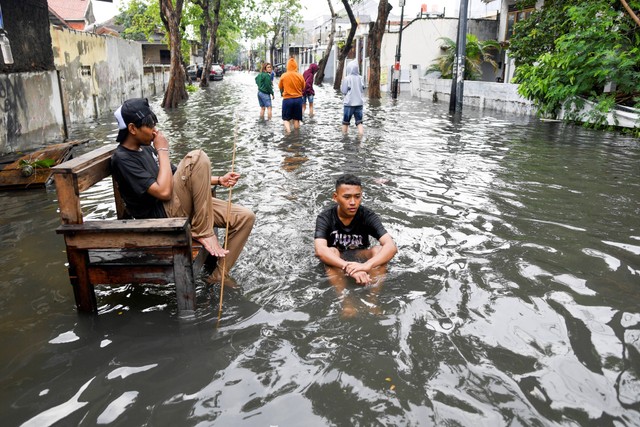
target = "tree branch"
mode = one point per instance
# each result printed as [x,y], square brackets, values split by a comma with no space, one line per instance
[631,12]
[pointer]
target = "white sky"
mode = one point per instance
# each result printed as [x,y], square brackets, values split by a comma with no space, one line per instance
[104,11]
[314,8]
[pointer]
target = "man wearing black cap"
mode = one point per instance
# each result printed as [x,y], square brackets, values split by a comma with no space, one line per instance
[152,187]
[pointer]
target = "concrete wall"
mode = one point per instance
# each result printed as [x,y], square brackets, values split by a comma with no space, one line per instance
[154,80]
[489,95]
[97,72]
[30,111]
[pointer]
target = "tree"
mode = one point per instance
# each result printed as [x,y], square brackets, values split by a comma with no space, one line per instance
[593,53]
[374,41]
[171,16]
[271,19]
[348,44]
[140,20]
[477,53]
[211,25]
[322,64]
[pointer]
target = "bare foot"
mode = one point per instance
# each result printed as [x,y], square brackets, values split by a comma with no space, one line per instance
[216,277]
[348,311]
[212,246]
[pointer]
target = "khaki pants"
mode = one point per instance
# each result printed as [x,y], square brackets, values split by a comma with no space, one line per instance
[192,198]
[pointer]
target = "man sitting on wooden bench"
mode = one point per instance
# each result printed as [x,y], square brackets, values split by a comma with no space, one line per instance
[152,187]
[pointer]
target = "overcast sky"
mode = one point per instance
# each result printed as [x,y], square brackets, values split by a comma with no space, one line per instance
[315,8]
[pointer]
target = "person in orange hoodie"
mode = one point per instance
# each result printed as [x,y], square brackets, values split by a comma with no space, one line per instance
[291,86]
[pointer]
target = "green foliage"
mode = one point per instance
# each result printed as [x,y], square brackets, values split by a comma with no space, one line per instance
[231,21]
[477,53]
[42,163]
[269,17]
[570,50]
[140,19]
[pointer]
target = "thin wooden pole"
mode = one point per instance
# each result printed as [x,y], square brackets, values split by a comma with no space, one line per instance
[630,12]
[226,234]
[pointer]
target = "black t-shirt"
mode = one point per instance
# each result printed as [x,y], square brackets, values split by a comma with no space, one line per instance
[355,236]
[135,172]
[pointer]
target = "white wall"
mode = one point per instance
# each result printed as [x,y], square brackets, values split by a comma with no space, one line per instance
[493,96]
[421,44]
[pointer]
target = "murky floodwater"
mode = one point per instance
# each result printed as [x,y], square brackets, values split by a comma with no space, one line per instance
[513,300]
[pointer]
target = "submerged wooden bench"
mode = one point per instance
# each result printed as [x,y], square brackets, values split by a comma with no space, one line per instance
[121,251]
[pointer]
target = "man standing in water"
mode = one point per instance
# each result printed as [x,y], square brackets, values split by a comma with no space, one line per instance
[342,238]
[353,88]
[309,93]
[291,86]
[152,187]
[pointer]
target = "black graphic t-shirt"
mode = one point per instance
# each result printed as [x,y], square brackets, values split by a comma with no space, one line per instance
[355,236]
[135,172]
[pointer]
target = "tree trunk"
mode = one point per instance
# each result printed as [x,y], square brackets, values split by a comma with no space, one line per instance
[376,32]
[344,52]
[323,62]
[176,91]
[213,40]
[214,31]
[272,46]
[206,29]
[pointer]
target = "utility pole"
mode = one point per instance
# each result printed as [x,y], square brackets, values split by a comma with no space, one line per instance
[457,82]
[285,40]
[395,84]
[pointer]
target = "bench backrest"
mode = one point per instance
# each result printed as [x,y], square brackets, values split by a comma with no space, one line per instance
[78,174]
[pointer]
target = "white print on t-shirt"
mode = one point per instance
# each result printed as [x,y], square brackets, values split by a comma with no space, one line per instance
[349,241]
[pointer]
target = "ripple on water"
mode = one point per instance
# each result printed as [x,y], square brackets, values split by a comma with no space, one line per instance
[512,299]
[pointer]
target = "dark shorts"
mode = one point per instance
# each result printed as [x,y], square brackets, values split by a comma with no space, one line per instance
[264,99]
[292,109]
[352,111]
[354,255]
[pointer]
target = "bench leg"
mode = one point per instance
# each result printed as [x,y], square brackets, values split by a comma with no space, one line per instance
[184,279]
[79,276]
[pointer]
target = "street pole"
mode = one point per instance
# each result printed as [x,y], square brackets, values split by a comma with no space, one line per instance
[457,83]
[285,40]
[395,84]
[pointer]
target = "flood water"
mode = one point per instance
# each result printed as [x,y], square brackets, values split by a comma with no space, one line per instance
[514,299]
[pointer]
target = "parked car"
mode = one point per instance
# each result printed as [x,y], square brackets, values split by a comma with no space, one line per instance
[279,69]
[217,73]
[194,71]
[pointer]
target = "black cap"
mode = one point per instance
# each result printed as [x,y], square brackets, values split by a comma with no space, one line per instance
[131,111]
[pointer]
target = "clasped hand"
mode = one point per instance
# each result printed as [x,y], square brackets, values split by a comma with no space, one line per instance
[359,271]
[229,179]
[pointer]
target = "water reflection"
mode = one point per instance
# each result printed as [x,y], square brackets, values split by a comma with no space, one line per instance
[512,300]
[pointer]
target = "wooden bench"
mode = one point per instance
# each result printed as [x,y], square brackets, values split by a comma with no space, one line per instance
[120,251]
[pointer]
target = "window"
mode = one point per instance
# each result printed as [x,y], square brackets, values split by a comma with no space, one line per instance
[165,56]
[514,16]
